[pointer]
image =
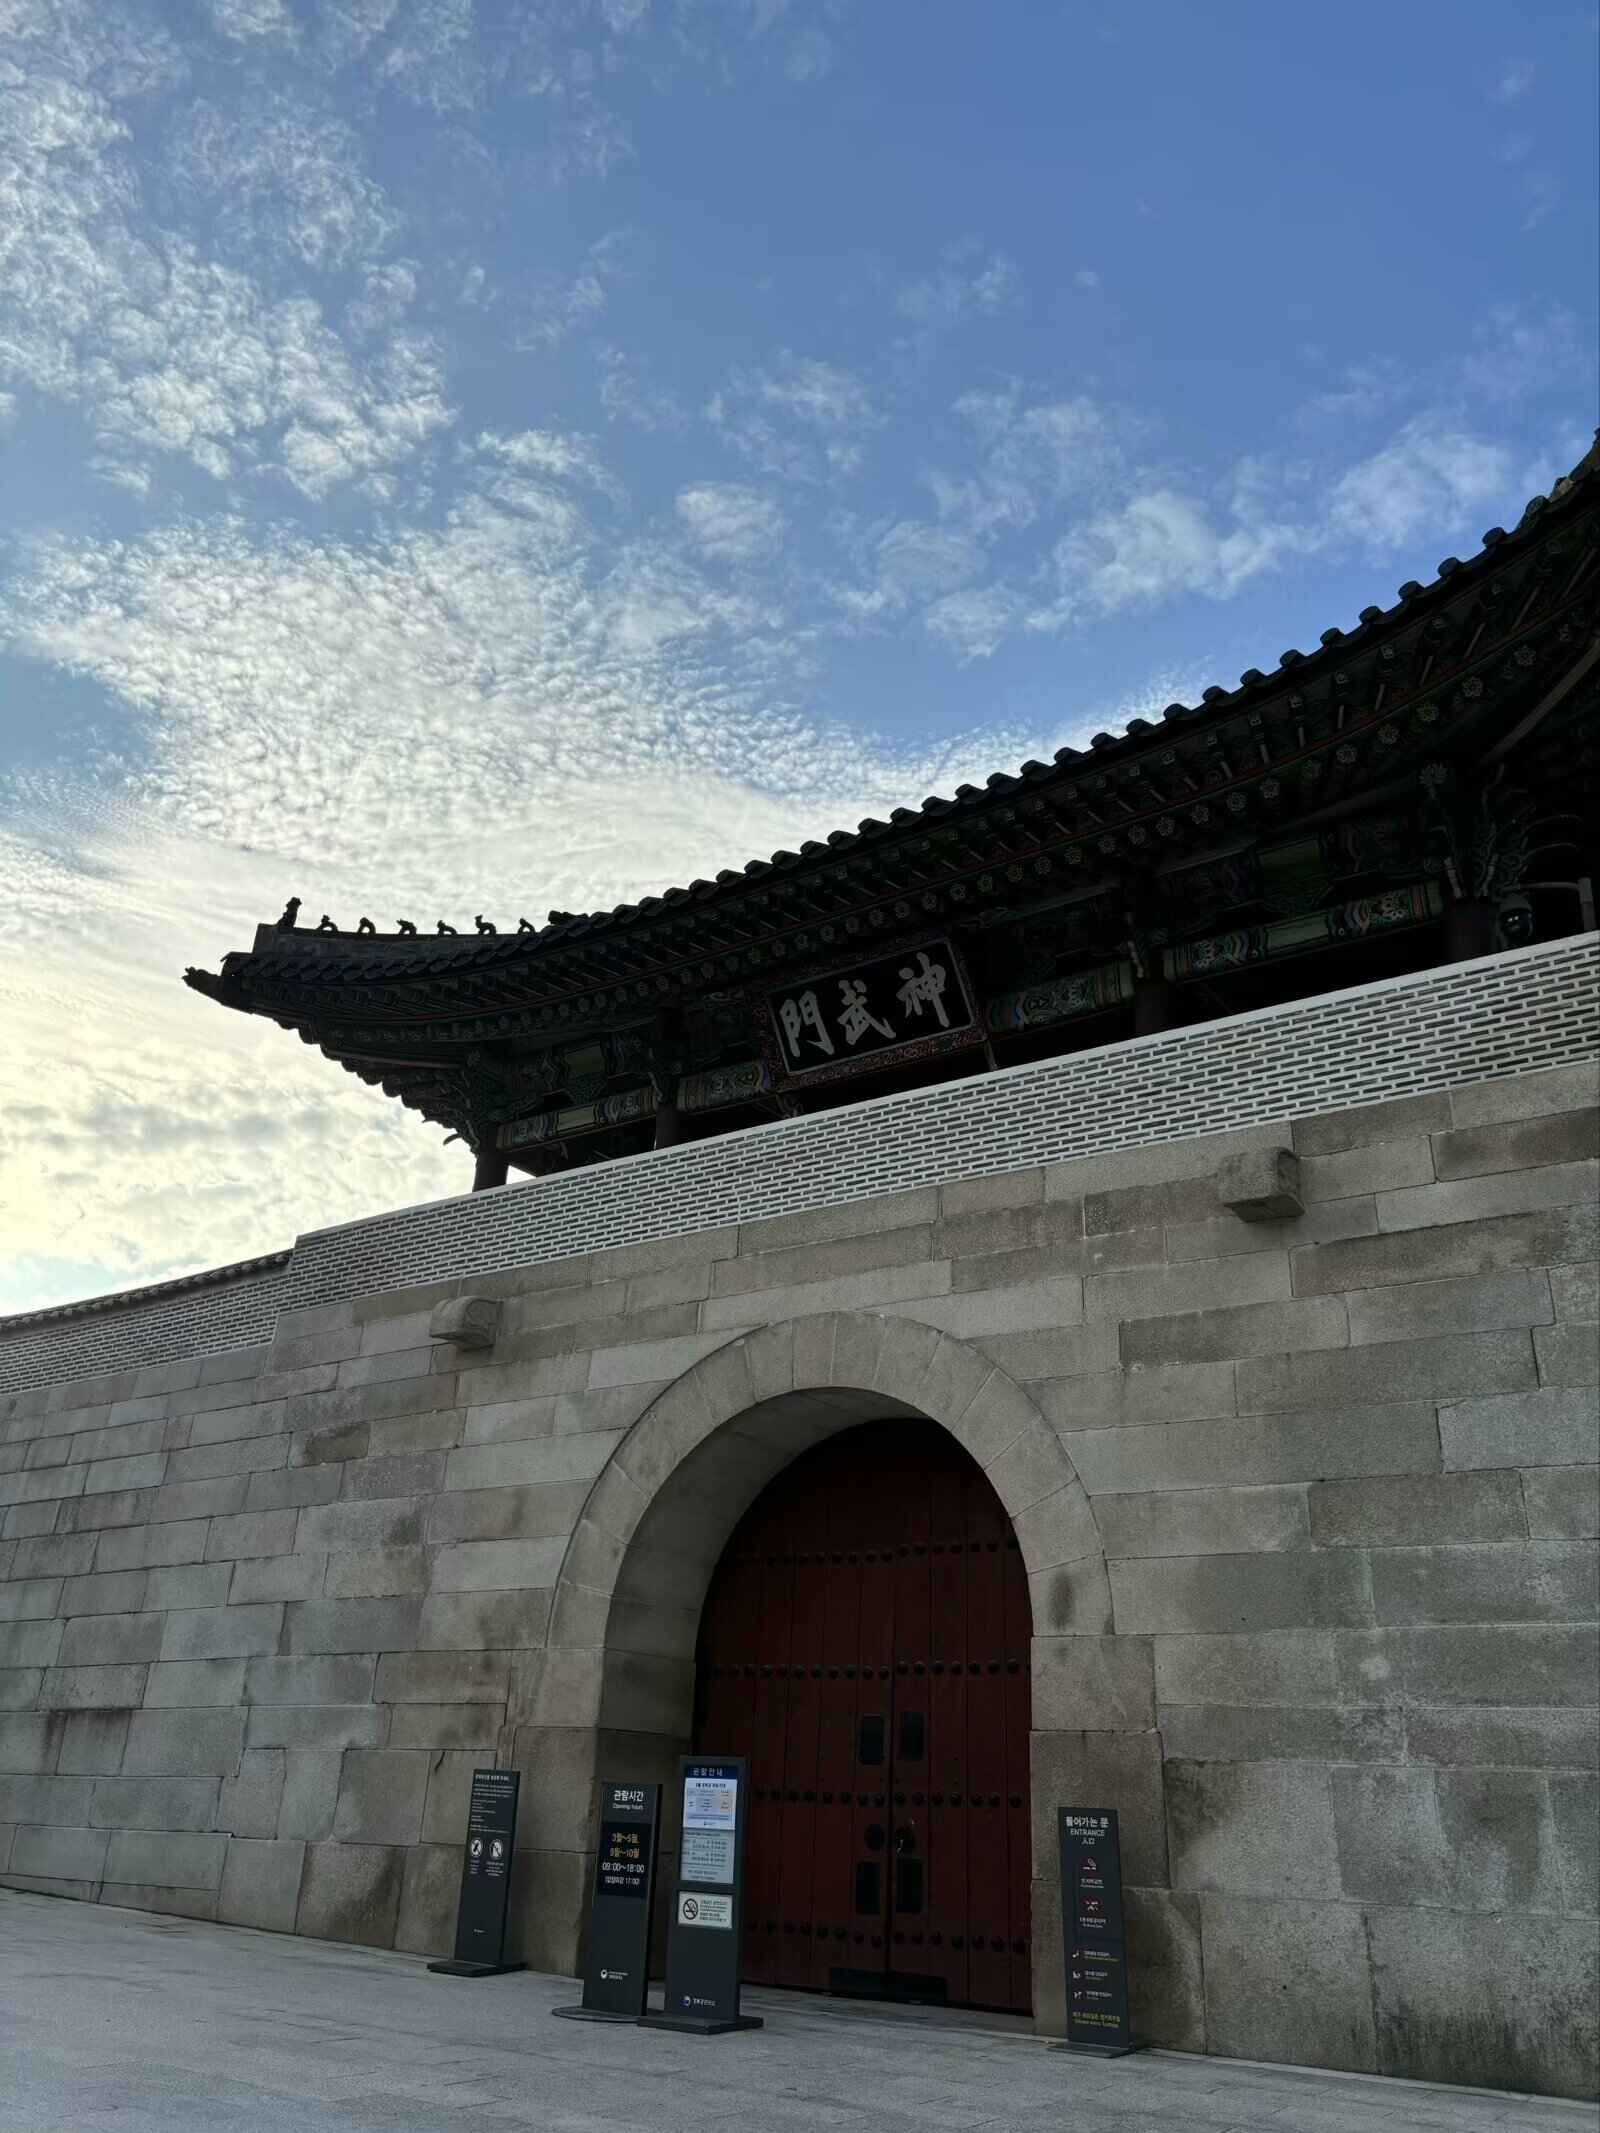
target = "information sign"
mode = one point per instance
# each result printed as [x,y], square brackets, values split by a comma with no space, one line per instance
[616,1976]
[705,1924]
[485,1878]
[1092,1926]
[707,1855]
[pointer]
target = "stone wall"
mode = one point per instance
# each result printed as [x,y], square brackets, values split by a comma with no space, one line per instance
[1308,1507]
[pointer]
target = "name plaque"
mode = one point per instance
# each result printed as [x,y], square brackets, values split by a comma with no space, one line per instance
[1095,1939]
[485,1878]
[824,1026]
[617,1973]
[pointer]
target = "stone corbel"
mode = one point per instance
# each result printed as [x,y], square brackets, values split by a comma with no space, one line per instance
[466,1321]
[1262,1185]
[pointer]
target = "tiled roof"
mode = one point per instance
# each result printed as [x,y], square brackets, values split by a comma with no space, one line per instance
[151,1292]
[346,957]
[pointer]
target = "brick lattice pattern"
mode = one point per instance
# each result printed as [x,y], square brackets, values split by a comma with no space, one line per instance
[1441,1029]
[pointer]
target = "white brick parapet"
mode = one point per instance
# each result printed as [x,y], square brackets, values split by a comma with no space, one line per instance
[1439,1029]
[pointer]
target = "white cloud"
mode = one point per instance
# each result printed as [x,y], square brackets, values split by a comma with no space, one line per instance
[965,286]
[1514,81]
[1031,458]
[730,523]
[163,348]
[798,419]
[1156,547]
[1520,350]
[284,177]
[1539,192]
[1162,543]
[807,50]
[1087,278]
[973,624]
[812,55]
[539,309]
[121,474]
[547,308]
[423,49]
[1429,478]
[494,716]
[629,394]
[917,560]
[1363,391]
[561,456]
[245,20]
[388,292]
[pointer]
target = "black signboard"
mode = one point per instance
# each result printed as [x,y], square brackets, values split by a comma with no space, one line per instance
[617,1974]
[1096,1944]
[485,1878]
[824,1026]
[706,1924]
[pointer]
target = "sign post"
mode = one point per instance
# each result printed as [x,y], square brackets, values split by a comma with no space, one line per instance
[705,1928]
[1092,1927]
[617,1975]
[486,1878]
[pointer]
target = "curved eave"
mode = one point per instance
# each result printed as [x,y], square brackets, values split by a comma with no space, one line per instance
[333,963]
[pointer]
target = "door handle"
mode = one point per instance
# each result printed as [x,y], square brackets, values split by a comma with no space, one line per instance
[905,1840]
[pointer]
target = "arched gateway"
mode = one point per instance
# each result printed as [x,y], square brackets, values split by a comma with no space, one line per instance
[932,1442]
[865,1645]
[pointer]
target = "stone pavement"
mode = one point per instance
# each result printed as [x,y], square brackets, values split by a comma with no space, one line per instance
[150,2024]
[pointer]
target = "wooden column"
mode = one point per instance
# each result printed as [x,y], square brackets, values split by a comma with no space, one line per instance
[490,1168]
[1155,1006]
[1468,929]
[670,1126]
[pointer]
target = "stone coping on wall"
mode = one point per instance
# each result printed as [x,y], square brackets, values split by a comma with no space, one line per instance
[1512,1013]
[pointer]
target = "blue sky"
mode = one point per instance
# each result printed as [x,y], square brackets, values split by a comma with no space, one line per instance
[459,455]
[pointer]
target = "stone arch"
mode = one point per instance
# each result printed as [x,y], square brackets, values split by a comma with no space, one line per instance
[626,1607]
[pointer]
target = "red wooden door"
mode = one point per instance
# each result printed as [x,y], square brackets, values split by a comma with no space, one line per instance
[865,1644]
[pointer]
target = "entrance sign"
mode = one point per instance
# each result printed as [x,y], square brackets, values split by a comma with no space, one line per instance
[704,1928]
[827,1025]
[486,1878]
[617,1975]
[1092,1926]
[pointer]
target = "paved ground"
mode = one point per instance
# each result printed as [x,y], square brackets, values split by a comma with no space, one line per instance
[118,2019]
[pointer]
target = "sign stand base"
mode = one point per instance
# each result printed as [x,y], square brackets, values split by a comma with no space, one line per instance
[1099,2051]
[592,2014]
[455,1969]
[701,2025]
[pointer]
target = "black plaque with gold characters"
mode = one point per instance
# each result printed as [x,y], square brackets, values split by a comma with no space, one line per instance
[1096,1944]
[617,1973]
[486,1878]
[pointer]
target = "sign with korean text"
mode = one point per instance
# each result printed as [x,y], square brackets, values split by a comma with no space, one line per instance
[824,1026]
[1092,1926]
[486,1872]
[616,1975]
[704,1925]
[711,1797]
[695,1908]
